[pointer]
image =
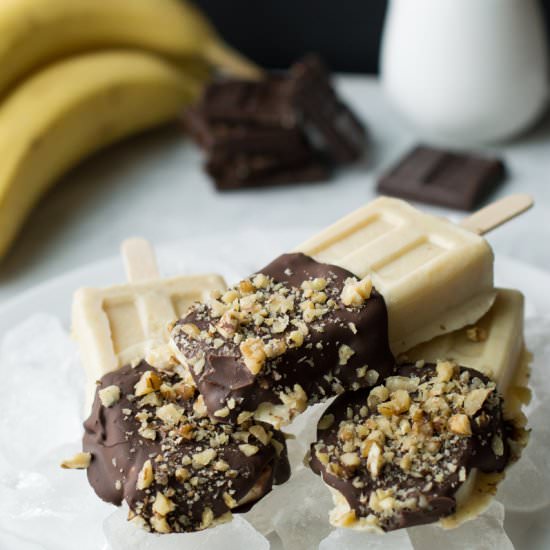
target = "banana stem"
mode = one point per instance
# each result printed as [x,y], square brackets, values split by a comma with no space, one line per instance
[224,57]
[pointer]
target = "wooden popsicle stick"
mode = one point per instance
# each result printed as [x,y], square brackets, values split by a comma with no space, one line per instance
[140,263]
[497,213]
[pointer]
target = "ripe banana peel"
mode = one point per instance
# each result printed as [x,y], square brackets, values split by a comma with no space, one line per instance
[36,32]
[73,108]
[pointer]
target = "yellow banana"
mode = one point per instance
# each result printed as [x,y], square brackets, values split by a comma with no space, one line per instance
[73,108]
[36,32]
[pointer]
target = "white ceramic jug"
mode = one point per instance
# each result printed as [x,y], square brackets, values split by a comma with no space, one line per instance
[467,71]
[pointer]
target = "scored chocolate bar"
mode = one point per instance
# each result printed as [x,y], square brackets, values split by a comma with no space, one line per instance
[266,102]
[436,176]
[241,171]
[222,137]
[341,132]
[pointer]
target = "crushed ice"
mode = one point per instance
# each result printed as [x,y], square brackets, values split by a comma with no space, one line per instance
[47,508]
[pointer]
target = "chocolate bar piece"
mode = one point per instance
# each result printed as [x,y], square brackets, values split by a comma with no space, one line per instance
[436,176]
[243,171]
[339,129]
[294,334]
[265,103]
[397,455]
[219,138]
[152,444]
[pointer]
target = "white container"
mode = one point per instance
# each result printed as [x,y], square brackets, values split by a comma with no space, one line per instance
[467,71]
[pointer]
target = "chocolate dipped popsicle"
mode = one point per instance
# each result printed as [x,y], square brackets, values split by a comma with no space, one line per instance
[150,442]
[402,453]
[294,334]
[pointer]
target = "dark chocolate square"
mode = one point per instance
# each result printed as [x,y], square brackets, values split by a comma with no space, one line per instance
[445,178]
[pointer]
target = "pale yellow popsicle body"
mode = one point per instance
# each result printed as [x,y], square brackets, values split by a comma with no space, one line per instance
[435,276]
[123,324]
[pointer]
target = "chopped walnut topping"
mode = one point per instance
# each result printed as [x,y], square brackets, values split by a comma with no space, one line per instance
[145,476]
[253,354]
[344,354]
[460,424]
[162,505]
[109,395]
[475,399]
[148,383]
[80,461]
[356,293]
[202,459]
[191,330]
[248,449]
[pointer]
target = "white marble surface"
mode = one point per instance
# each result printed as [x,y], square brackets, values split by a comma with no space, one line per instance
[153,186]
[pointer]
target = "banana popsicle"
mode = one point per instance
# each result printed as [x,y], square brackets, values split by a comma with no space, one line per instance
[435,276]
[432,443]
[313,323]
[124,324]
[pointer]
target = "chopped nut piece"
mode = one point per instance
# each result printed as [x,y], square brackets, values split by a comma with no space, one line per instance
[163,505]
[260,281]
[248,449]
[170,414]
[109,395]
[191,330]
[160,525]
[145,476]
[275,348]
[355,292]
[460,424]
[228,324]
[375,460]
[344,354]
[202,459]
[296,338]
[207,518]
[199,407]
[230,502]
[445,370]
[351,460]
[221,466]
[80,461]
[222,413]
[182,474]
[260,434]
[253,354]
[148,382]
[475,399]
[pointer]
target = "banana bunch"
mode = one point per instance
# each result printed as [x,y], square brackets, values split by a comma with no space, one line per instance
[78,75]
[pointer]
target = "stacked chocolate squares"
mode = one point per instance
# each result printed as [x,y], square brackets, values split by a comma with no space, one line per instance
[285,128]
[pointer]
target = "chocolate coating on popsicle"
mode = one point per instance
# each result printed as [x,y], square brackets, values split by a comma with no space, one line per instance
[295,334]
[156,448]
[398,453]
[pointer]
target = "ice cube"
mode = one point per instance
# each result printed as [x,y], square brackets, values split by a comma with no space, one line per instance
[40,395]
[304,431]
[302,520]
[346,539]
[302,486]
[237,534]
[483,533]
[537,341]
[52,507]
[527,483]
